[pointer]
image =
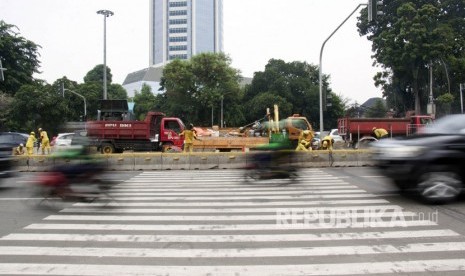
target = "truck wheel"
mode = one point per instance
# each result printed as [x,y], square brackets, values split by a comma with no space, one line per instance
[439,186]
[167,147]
[107,149]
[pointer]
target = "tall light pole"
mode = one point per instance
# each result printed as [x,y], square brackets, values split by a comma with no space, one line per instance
[320,73]
[2,78]
[105,13]
[63,89]
[79,95]
[462,87]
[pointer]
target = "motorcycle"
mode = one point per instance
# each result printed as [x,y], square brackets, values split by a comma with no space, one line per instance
[70,183]
[271,166]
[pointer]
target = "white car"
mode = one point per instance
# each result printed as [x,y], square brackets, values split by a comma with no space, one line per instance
[338,141]
[334,133]
[63,140]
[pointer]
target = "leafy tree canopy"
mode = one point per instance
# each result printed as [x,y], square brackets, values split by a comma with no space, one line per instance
[96,75]
[294,87]
[144,102]
[19,56]
[195,87]
[410,37]
[378,110]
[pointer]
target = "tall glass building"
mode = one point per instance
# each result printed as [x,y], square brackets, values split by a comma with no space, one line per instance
[183,28]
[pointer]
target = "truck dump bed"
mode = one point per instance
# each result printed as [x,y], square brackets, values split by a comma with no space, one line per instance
[364,126]
[127,130]
[228,143]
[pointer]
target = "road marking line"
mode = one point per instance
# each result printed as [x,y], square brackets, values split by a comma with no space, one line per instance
[420,266]
[259,203]
[229,227]
[231,252]
[325,216]
[236,185]
[231,189]
[216,199]
[233,238]
[228,193]
[258,209]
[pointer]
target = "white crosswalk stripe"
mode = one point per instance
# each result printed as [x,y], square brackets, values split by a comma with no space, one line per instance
[211,223]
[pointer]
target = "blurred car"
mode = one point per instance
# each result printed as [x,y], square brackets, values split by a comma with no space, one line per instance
[432,164]
[12,139]
[8,141]
[365,142]
[62,140]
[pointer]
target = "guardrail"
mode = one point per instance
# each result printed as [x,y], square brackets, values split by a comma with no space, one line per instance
[197,160]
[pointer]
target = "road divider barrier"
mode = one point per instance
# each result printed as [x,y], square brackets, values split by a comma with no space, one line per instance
[147,161]
[199,160]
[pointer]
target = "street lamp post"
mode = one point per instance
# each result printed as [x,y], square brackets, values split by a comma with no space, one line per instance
[462,87]
[2,78]
[320,73]
[79,95]
[221,123]
[105,13]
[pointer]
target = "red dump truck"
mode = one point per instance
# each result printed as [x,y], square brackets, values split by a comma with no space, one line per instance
[155,133]
[353,129]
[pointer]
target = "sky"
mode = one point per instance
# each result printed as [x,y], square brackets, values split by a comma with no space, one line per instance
[70,34]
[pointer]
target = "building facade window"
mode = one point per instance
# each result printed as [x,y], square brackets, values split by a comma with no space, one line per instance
[195,23]
[178,39]
[178,48]
[178,21]
[182,56]
[178,12]
[178,30]
[178,4]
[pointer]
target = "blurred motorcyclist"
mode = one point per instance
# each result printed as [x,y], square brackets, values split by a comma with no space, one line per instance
[305,141]
[85,166]
[275,155]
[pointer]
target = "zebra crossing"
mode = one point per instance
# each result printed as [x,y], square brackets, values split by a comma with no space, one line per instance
[213,223]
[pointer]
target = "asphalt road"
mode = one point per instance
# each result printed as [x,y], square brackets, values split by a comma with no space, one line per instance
[334,221]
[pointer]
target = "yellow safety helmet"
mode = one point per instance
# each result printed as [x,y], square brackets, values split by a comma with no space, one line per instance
[32,133]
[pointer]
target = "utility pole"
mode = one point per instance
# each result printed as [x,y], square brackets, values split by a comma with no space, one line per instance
[2,77]
[105,13]
[462,87]
[321,64]
[431,108]
[79,95]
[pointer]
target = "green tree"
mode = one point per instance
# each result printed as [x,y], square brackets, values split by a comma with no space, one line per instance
[37,105]
[409,37]
[445,101]
[295,86]
[74,104]
[378,110]
[19,56]
[192,85]
[92,91]
[117,92]
[96,75]
[5,106]
[144,102]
